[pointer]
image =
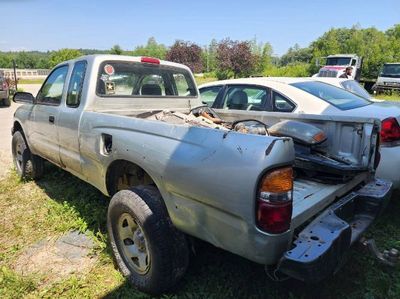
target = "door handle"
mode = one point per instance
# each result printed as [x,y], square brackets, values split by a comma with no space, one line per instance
[51,119]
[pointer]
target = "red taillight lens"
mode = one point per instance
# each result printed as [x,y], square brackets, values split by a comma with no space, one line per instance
[274,202]
[150,60]
[390,130]
[274,218]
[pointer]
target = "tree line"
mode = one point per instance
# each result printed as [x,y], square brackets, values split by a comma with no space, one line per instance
[229,58]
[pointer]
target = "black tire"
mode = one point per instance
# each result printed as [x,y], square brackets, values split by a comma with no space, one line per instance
[167,253]
[27,165]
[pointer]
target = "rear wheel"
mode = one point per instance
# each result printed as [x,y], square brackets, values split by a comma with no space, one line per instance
[27,165]
[148,249]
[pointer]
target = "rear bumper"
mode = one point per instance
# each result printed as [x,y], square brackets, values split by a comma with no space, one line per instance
[321,246]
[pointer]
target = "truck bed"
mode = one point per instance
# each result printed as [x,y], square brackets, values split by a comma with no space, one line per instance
[310,197]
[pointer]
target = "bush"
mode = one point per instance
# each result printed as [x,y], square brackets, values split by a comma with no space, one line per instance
[290,70]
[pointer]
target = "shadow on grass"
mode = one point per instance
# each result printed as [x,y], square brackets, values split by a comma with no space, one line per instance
[214,273]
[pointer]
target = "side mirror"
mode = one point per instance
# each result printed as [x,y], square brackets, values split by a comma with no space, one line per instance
[23,97]
[205,103]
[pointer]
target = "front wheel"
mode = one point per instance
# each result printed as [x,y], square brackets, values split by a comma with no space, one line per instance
[148,249]
[27,165]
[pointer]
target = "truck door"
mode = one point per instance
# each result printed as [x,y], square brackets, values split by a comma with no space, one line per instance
[68,125]
[45,113]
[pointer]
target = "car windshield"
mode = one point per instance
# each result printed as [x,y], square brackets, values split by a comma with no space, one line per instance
[133,79]
[336,96]
[338,61]
[391,70]
[356,88]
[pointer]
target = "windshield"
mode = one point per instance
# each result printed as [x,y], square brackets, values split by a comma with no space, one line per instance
[133,79]
[338,61]
[391,70]
[356,88]
[336,96]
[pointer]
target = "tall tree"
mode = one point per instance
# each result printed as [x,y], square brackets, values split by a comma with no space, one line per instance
[234,57]
[116,49]
[152,49]
[186,53]
[296,54]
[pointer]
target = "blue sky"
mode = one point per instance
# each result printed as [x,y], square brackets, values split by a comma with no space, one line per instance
[53,24]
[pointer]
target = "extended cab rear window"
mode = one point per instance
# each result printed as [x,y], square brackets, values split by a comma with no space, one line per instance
[136,79]
[335,96]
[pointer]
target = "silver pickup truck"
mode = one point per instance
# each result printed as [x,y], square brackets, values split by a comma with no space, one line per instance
[291,192]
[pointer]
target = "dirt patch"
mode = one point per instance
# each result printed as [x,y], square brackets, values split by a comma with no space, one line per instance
[58,258]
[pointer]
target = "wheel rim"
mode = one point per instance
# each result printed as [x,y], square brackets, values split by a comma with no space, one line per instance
[133,243]
[18,154]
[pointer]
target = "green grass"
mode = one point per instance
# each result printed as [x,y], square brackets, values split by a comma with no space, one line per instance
[388,97]
[202,80]
[31,211]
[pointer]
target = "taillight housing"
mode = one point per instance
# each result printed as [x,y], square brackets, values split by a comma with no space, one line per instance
[275,201]
[390,130]
[4,85]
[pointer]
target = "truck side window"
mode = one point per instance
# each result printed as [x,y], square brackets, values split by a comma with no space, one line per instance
[52,89]
[76,84]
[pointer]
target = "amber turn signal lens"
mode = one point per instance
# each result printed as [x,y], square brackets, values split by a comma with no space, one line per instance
[319,137]
[278,181]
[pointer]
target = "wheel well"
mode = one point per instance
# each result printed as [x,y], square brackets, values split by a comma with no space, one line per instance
[122,174]
[17,127]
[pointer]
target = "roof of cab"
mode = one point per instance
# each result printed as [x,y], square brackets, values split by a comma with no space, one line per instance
[111,57]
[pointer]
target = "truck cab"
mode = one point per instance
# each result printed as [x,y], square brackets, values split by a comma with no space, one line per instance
[389,78]
[335,65]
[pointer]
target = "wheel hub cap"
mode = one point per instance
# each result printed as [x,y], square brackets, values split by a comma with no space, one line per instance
[133,243]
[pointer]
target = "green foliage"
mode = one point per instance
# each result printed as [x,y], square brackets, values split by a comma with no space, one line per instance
[298,69]
[63,55]
[296,54]
[375,46]
[151,49]
[13,285]
[24,59]
[116,49]
[262,56]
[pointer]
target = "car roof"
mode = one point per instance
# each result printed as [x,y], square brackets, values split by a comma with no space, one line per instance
[265,81]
